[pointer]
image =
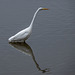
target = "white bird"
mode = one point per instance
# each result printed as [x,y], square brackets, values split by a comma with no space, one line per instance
[25,33]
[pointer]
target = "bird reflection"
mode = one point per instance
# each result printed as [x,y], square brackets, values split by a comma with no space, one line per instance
[26,49]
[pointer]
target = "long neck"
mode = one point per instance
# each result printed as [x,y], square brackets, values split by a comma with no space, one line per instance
[34,18]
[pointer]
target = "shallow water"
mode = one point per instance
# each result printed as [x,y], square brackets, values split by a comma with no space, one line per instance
[50,50]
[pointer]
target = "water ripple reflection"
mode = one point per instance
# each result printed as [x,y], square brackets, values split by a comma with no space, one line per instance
[26,49]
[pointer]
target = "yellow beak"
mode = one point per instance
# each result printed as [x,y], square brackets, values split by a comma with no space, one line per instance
[45,9]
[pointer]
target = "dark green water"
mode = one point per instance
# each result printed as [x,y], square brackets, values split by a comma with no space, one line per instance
[50,50]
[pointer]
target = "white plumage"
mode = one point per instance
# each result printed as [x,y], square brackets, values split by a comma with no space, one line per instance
[25,33]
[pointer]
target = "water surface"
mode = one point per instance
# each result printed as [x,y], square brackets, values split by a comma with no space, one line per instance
[50,50]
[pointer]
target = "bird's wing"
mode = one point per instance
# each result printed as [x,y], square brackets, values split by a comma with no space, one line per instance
[21,35]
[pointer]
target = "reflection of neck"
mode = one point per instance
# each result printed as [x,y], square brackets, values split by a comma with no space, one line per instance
[43,71]
[35,61]
[34,18]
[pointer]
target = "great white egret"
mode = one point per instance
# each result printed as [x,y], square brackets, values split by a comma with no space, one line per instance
[25,33]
